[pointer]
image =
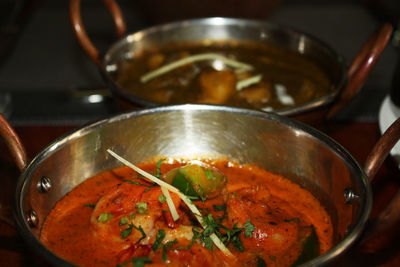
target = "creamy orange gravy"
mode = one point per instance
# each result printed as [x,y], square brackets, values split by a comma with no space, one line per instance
[69,233]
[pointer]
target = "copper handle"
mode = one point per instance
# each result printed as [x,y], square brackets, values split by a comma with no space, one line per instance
[18,152]
[361,66]
[13,143]
[79,29]
[391,215]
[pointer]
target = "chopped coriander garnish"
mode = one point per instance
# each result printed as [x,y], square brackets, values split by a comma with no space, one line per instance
[158,174]
[90,205]
[159,238]
[237,243]
[295,220]
[123,221]
[141,207]
[249,228]
[140,261]
[165,187]
[140,184]
[230,236]
[167,245]
[208,243]
[105,217]
[162,198]
[136,183]
[132,215]
[128,231]
[140,229]
[137,262]
[150,187]
[196,235]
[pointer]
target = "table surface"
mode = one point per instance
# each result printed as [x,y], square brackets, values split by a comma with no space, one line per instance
[14,252]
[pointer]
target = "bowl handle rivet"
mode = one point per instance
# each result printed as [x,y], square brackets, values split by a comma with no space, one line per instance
[349,195]
[44,185]
[32,219]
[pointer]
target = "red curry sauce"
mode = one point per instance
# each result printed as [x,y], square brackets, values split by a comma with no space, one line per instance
[279,212]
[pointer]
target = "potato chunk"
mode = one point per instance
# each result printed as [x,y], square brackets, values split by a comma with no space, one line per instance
[258,94]
[216,86]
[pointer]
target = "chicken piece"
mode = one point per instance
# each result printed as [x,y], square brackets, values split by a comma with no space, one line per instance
[258,94]
[130,229]
[129,211]
[216,86]
[272,235]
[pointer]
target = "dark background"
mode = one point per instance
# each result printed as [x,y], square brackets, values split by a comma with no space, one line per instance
[43,70]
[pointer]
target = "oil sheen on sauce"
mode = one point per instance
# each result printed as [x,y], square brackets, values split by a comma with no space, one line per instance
[280,212]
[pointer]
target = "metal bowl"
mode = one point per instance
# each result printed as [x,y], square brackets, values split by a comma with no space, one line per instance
[276,143]
[345,81]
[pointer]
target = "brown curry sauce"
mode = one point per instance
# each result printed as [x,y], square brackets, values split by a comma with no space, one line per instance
[201,82]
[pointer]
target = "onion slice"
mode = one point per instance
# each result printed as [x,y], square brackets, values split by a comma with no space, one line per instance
[164,185]
[199,57]
[248,81]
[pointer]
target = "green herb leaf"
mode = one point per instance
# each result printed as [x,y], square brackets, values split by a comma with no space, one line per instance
[158,174]
[137,262]
[150,187]
[140,261]
[166,246]
[230,236]
[127,232]
[159,238]
[90,205]
[249,228]
[208,243]
[123,221]
[196,235]
[105,217]
[136,183]
[162,198]
[237,243]
[234,232]
[140,229]
[295,220]
[141,207]
[211,225]
[140,184]
[132,215]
